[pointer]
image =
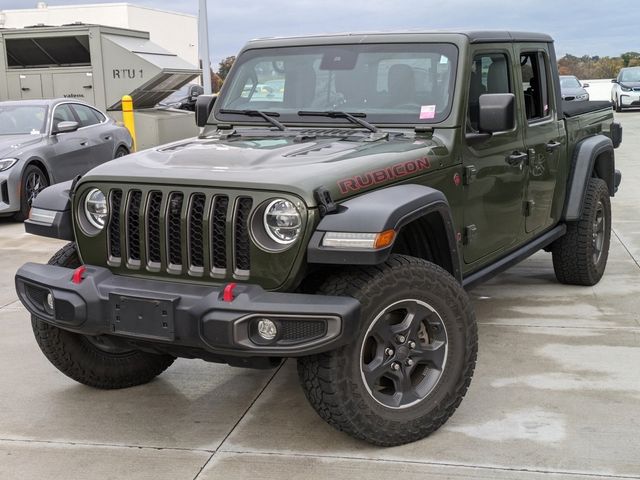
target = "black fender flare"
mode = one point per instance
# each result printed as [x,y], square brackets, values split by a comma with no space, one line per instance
[582,166]
[56,200]
[378,211]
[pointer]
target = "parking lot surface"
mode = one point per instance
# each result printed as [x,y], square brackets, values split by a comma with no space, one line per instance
[556,391]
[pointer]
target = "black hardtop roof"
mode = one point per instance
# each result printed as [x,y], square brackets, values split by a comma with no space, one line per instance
[473,36]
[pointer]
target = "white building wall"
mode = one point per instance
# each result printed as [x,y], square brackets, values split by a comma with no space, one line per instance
[176,32]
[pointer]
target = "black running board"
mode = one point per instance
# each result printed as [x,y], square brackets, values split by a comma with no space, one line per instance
[514,257]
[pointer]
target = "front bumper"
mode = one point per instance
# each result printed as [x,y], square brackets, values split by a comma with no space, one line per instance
[179,317]
[630,99]
[9,190]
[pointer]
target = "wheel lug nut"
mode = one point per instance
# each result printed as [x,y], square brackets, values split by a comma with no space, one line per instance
[400,338]
[395,366]
[412,344]
[388,352]
[409,362]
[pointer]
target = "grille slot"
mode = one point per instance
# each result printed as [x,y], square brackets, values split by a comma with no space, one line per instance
[153,227]
[133,226]
[4,192]
[196,230]
[174,229]
[219,233]
[181,232]
[114,224]
[241,236]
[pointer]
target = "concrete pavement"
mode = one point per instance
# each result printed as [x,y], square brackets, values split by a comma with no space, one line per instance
[556,392]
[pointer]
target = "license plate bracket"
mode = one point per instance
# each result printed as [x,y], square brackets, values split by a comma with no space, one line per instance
[142,317]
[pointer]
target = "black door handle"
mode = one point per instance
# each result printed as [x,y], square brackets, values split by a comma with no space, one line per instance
[25,89]
[83,144]
[516,158]
[553,146]
[107,138]
[87,86]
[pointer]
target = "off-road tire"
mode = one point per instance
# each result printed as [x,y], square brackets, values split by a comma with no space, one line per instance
[82,360]
[573,253]
[25,205]
[333,382]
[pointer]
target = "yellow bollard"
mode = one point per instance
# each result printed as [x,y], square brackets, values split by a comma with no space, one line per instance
[128,120]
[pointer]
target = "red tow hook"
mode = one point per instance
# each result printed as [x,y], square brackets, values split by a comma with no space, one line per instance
[77,274]
[227,293]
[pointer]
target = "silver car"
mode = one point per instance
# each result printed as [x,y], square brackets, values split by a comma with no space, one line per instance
[43,142]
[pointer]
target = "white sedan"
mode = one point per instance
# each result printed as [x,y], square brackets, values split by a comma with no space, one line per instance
[625,91]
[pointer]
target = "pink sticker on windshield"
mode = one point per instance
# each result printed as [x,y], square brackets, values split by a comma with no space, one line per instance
[427,112]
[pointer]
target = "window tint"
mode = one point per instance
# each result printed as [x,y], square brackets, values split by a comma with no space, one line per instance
[535,85]
[88,116]
[489,74]
[62,113]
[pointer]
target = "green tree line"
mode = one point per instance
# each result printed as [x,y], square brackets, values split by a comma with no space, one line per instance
[587,67]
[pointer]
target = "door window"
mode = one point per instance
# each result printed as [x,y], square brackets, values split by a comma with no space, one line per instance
[87,115]
[535,85]
[489,74]
[62,113]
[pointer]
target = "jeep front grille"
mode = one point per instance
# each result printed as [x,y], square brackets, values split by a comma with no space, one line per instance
[199,234]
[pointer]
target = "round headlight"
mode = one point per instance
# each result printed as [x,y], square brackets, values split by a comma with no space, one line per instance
[282,221]
[95,208]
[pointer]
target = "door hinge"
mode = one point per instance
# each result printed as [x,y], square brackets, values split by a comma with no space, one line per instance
[470,232]
[469,174]
[529,205]
[532,156]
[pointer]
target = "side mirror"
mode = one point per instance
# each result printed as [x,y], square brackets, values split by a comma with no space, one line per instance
[66,127]
[497,112]
[615,80]
[585,85]
[194,92]
[204,105]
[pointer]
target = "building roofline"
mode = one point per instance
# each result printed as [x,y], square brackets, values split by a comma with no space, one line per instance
[94,5]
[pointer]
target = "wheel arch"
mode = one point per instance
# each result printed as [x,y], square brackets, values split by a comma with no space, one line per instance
[41,164]
[415,212]
[593,157]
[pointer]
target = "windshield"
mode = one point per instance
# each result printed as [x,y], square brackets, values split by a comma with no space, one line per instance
[630,75]
[390,83]
[569,82]
[22,119]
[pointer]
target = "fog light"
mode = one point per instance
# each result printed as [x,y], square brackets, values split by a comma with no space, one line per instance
[267,329]
[50,301]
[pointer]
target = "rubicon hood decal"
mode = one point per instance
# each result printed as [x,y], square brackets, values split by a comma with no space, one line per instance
[399,170]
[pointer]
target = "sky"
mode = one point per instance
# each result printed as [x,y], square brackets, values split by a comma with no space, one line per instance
[593,27]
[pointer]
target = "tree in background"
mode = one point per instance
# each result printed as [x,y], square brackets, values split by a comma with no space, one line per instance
[631,59]
[225,65]
[595,67]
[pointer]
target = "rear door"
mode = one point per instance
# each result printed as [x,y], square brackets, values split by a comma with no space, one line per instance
[494,167]
[544,134]
[100,142]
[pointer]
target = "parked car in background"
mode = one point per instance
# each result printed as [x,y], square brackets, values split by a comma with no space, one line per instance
[43,142]
[572,89]
[183,98]
[625,91]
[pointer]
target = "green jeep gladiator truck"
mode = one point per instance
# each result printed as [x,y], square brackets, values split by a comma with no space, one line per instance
[343,194]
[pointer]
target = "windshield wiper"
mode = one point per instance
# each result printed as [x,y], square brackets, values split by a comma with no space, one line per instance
[352,117]
[258,113]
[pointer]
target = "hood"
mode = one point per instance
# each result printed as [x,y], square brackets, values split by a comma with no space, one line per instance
[13,145]
[289,162]
[572,92]
[630,84]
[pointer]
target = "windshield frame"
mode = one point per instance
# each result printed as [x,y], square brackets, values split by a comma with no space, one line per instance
[449,48]
[45,122]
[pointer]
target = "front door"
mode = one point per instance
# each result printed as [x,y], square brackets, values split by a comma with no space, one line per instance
[69,149]
[544,136]
[495,167]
